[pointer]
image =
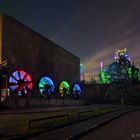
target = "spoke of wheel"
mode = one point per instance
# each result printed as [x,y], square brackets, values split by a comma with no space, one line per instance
[13,83]
[14,77]
[17,89]
[25,90]
[25,76]
[42,83]
[19,75]
[28,82]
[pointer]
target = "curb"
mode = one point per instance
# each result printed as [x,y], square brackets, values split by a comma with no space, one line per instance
[96,126]
[18,113]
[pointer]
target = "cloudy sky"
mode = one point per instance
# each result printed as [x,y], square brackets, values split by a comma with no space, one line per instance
[91,29]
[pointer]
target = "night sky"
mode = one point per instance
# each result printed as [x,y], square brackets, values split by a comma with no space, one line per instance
[91,29]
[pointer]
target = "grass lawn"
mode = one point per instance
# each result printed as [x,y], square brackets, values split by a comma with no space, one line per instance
[16,125]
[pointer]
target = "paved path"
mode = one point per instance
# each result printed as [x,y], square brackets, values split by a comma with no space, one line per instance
[40,110]
[126,127]
[51,109]
[74,130]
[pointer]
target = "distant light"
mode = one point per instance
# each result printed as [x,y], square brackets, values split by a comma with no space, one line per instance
[81,72]
[101,65]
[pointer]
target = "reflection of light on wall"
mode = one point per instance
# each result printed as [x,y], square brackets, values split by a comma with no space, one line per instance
[89,77]
[81,72]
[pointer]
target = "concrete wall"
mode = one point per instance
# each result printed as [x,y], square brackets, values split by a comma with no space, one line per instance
[67,66]
[112,93]
[91,94]
[30,51]
[22,102]
[94,93]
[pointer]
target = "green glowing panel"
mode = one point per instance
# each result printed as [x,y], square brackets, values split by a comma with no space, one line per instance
[64,89]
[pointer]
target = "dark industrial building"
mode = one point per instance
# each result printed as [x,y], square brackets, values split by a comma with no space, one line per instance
[28,50]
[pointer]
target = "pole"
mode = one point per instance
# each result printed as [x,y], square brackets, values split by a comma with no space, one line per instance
[122,100]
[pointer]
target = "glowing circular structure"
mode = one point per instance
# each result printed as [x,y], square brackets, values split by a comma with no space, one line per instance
[20,82]
[76,91]
[64,89]
[46,86]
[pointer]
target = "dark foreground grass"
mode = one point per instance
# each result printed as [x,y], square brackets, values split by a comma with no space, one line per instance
[17,127]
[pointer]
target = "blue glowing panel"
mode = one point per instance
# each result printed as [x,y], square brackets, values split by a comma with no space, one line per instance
[76,90]
[13,80]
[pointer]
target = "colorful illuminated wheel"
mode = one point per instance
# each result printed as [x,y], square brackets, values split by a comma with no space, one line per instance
[46,86]
[20,82]
[76,91]
[64,89]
